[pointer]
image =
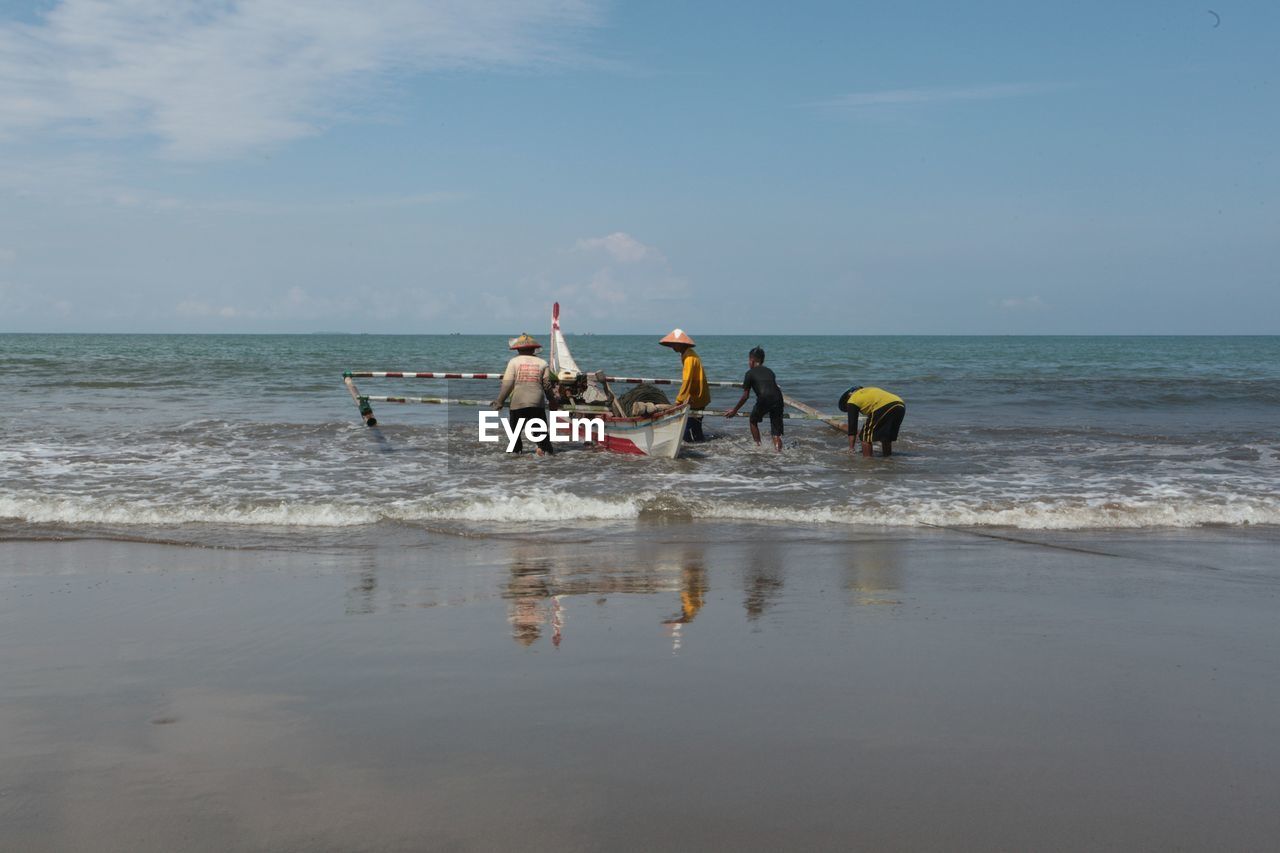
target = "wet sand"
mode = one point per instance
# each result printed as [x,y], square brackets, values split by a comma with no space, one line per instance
[731,688]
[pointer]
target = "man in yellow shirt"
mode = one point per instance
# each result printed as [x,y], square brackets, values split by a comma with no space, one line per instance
[693,385]
[883,416]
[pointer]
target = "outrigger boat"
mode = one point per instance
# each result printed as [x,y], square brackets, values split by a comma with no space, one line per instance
[651,428]
[658,433]
[658,430]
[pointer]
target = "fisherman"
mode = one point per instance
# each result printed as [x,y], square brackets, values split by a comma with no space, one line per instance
[883,413]
[693,386]
[526,380]
[768,398]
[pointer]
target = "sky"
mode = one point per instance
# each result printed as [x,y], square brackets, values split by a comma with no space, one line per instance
[725,167]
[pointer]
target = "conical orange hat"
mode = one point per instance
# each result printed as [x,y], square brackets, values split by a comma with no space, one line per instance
[525,341]
[677,336]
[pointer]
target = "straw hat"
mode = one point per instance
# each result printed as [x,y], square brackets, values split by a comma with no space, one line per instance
[677,336]
[525,341]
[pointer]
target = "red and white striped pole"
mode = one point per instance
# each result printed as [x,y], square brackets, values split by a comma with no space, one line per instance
[433,374]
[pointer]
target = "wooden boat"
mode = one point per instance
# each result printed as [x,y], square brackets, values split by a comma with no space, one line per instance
[657,431]
[659,434]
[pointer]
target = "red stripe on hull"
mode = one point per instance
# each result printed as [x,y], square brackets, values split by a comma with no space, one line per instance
[622,445]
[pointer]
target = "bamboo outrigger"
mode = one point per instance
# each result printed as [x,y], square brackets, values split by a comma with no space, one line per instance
[652,433]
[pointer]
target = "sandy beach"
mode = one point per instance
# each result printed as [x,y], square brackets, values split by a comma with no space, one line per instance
[679,687]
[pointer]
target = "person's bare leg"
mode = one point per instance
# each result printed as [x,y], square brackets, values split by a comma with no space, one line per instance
[777,443]
[866,448]
[886,447]
[755,433]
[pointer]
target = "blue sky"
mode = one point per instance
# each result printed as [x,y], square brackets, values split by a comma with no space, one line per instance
[724,167]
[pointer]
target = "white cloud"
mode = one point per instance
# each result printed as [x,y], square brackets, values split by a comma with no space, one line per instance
[608,272]
[604,287]
[212,79]
[862,100]
[616,280]
[622,247]
[192,308]
[1022,303]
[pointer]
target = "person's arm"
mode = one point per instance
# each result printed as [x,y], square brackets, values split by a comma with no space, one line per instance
[734,411]
[503,393]
[508,385]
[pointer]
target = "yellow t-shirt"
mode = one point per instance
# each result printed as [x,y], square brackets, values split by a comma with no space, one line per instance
[693,388]
[867,400]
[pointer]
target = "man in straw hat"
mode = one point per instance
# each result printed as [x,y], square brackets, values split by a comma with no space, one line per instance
[526,381]
[693,387]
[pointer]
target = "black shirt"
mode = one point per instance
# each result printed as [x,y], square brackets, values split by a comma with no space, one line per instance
[761,380]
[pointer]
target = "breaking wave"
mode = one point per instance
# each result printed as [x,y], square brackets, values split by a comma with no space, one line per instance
[562,508]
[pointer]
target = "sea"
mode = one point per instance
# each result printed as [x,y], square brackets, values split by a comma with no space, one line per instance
[229,440]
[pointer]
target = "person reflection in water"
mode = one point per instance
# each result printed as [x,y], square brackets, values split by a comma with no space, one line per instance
[763,588]
[532,603]
[693,595]
[763,580]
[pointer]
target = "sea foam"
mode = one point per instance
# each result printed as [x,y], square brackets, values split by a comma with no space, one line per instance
[559,507]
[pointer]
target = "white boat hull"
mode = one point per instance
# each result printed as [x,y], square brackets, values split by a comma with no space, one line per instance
[660,434]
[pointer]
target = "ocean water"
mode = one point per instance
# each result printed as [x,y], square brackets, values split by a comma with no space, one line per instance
[220,439]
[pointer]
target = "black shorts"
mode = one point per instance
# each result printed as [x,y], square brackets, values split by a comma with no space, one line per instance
[775,416]
[532,412]
[880,425]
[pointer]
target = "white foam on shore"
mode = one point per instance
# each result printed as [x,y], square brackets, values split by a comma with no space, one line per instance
[1062,515]
[108,512]
[546,507]
[558,507]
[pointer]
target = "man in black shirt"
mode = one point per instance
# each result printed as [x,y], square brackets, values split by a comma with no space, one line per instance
[768,398]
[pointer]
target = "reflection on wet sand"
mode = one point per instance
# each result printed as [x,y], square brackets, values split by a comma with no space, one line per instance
[539,585]
[874,572]
[361,595]
[158,699]
[543,581]
[764,581]
[693,596]
[693,588]
[528,590]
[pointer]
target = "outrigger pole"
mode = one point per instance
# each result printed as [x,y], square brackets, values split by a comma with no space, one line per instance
[837,424]
[362,403]
[593,410]
[809,413]
[430,374]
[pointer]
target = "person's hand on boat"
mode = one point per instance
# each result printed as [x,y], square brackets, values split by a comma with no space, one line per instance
[732,413]
[496,406]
